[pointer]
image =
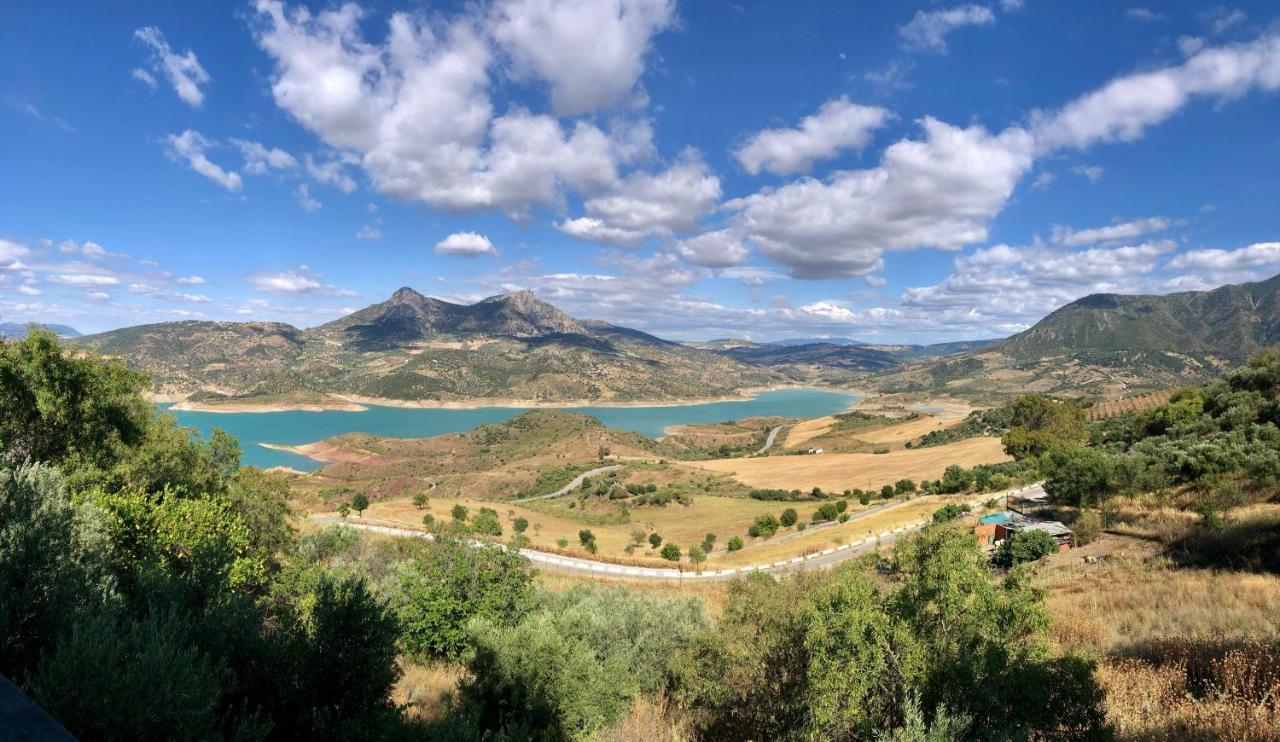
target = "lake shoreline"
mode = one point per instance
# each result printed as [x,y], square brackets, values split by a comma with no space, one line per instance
[359,403]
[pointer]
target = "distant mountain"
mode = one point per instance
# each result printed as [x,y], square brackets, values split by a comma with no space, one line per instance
[820,341]
[1110,345]
[828,355]
[412,347]
[19,330]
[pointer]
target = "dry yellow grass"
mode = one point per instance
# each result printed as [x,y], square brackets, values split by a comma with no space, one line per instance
[679,524]
[840,471]
[813,540]
[907,431]
[803,431]
[427,689]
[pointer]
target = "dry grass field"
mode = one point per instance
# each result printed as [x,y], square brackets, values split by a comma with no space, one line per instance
[1182,653]
[802,432]
[840,471]
[909,430]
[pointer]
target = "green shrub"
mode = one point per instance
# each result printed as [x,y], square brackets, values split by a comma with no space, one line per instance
[788,518]
[1025,546]
[486,523]
[671,552]
[764,526]
[886,491]
[1087,528]
[655,540]
[735,543]
[451,583]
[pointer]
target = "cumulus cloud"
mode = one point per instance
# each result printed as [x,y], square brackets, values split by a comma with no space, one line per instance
[414,110]
[369,232]
[943,189]
[1206,268]
[190,147]
[145,289]
[719,249]
[1123,109]
[936,192]
[590,53]
[649,204]
[331,172]
[1007,285]
[190,280]
[929,29]
[1112,232]
[466,244]
[183,71]
[259,158]
[85,279]
[837,126]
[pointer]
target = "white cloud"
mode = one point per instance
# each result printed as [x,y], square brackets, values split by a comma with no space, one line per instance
[876,281]
[146,78]
[1112,232]
[650,204]
[414,111]
[929,29]
[190,146]
[300,281]
[144,289]
[838,125]
[1043,180]
[939,192]
[11,254]
[1222,19]
[303,193]
[589,52]
[1122,109]
[1145,15]
[368,232]
[29,290]
[1091,173]
[1007,286]
[466,244]
[183,71]
[85,279]
[719,249]
[331,172]
[259,158]
[1206,268]
[190,280]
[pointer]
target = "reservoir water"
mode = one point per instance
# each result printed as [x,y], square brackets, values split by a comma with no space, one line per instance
[293,428]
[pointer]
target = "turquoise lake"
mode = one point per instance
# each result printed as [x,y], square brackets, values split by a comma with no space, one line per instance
[293,428]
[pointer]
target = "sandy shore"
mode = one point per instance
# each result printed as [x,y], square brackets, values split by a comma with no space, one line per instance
[186,406]
[357,403]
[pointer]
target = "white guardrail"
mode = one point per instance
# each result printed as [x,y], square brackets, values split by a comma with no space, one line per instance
[669,573]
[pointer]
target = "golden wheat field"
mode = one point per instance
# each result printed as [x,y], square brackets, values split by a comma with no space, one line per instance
[840,471]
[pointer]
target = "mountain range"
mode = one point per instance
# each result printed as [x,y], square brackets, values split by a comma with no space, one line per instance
[1111,345]
[414,348]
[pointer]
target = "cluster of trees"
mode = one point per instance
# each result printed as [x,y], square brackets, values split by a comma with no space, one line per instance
[150,588]
[1220,440]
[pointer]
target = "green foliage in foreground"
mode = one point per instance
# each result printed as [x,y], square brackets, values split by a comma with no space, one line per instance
[451,583]
[839,657]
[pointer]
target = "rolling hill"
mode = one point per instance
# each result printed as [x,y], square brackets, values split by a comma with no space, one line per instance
[416,348]
[1111,345]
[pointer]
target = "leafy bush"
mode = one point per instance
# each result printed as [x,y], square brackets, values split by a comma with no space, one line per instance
[764,526]
[826,512]
[949,512]
[451,583]
[1087,528]
[788,518]
[574,663]
[486,523]
[671,552]
[735,543]
[1025,546]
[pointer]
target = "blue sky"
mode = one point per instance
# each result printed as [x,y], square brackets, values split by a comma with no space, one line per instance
[893,171]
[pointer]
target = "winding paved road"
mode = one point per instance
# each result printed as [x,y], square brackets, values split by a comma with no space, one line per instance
[591,568]
[768,442]
[574,483]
